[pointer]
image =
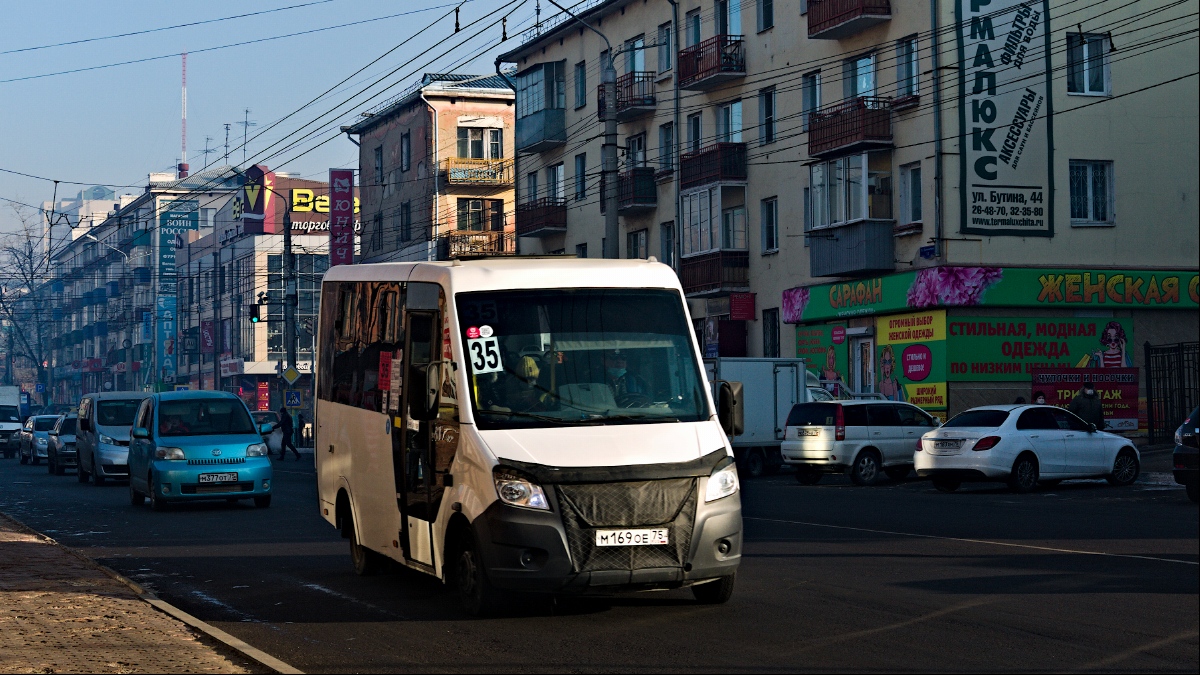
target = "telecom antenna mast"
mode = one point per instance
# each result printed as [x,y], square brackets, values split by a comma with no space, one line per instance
[183,165]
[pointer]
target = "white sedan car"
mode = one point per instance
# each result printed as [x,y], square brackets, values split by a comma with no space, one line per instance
[1023,445]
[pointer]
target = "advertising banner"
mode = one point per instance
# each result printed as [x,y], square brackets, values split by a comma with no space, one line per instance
[945,286]
[263,395]
[175,219]
[911,358]
[1116,387]
[232,366]
[741,307]
[341,217]
[208,340]
[825,351]
[165,340]
[1005,117]
[1009,349]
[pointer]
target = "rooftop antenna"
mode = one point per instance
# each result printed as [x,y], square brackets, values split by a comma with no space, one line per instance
[227,125]
[207,150]
[246,124]
[183,165]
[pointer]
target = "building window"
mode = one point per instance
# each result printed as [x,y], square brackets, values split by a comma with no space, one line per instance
[906,67]
[542,87]
[495,214]
[635,244]
[729,122]
[770,328]
[766,14]
[810,96]
[635,151]
[480,143]
[580,84]
[470,215]
[635,54]
[733,228]
[580,250]
[664,47]
[531,186]
[770,225]
[766,116]
[555,187]
[839,194]
[694,132]
[728,17]
[859,76]
[1091,192]
[667,243]
[666,147]
[405,150]
[910,193]
[376,239]
[691,23]
[379,165]
[406,233]
[1087,66]
[580,177]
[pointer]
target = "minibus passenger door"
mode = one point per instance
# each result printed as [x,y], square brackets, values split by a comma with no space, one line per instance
[421,349]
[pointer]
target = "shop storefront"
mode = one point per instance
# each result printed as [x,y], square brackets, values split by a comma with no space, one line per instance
[949,338]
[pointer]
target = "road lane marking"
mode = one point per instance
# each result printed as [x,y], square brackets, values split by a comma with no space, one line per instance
[975,541]
[1121,656]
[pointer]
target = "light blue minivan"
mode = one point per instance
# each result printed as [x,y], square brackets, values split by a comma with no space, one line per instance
[189,445]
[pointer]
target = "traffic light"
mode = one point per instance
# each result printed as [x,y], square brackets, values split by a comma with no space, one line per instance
[255,317]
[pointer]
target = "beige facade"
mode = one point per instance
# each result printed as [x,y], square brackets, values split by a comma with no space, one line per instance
[436,171]
[848,86]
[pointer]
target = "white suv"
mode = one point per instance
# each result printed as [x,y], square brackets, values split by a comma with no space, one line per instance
[861,437]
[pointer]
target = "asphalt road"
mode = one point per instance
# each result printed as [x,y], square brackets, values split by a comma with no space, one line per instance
[894,577]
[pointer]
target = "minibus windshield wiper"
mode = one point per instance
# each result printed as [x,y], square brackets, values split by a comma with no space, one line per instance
[540,418]
[630,417]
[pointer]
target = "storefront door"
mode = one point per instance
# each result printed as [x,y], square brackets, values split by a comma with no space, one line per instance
[862,365]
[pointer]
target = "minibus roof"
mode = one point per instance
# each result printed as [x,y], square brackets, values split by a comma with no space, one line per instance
[516,272]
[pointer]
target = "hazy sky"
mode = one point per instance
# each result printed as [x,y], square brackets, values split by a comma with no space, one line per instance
[114,125]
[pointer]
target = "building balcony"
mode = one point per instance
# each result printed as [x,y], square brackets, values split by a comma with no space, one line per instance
[855,249]
[486,172]
[541,131]
[718,59]
[838,19]
[469,243]
[715,273]
[637,191]
[635,96]
[542,217]
[717,163]
[856,123]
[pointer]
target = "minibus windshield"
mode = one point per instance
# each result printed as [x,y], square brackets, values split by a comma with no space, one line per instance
[567,357]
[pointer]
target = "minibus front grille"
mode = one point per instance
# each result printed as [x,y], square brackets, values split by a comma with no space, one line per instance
[589,507]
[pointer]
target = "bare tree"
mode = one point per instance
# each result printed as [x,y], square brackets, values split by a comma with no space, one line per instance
[24,272]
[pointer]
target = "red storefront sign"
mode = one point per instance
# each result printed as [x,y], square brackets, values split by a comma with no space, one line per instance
[741,306]
[1116,387]
[341,217]
[208,339]
[264,395]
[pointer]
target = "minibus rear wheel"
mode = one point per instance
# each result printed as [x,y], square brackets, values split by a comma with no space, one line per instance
[715,592]
[366,562]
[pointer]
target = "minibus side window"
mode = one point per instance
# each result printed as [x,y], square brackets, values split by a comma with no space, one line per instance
[345,342]
[380,342]
[331,324]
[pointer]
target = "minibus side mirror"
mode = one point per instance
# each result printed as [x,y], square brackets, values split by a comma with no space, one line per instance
[140,432]
[426,392]
[730,410]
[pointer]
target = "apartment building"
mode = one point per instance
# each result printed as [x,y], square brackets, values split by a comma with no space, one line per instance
[887,188]
[436,170]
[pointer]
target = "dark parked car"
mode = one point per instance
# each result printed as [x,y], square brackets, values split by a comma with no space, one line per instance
[1187,456]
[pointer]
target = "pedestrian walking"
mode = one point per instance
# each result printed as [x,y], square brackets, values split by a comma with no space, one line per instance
[1039,398]
[285,427]
[300,428]
[1087,405]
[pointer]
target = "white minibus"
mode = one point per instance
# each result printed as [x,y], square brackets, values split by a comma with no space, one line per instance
[525,424]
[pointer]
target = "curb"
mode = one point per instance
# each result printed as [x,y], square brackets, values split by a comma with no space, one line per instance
[250,652]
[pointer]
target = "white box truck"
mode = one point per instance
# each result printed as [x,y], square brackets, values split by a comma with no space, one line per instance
[10,419]
[770,387]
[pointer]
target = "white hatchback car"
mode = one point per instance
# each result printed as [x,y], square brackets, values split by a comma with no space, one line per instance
[863,437]
[1023,445]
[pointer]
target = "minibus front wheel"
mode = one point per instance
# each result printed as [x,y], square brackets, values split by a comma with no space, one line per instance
[715,592]
[479,597]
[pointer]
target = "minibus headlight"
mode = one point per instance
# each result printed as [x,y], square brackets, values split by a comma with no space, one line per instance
[722,483]
[257,450]
[169,453]
[517,491]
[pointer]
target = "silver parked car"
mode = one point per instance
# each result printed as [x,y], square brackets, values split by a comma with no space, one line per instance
[35,436]
[103,435]
[60,451]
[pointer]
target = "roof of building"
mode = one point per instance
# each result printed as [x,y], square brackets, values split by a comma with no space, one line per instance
[428,84]
[221,177]
[554,26]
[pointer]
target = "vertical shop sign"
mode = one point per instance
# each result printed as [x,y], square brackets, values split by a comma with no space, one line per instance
[341,217]
[912,358]
[264,395]
[208,341]
[176,219]
[1005,117]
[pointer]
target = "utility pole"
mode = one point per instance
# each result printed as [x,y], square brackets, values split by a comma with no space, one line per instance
[227,125]
[608,157]
[289,290]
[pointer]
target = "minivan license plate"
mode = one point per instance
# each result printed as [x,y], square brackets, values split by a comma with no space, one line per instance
[218,477]
[652,537]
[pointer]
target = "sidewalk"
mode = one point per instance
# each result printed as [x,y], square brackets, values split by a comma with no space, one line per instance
[61,613]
